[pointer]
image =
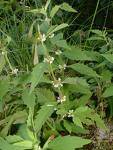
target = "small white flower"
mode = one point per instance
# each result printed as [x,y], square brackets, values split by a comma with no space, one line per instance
[57,83]
[62,66]
[51,36]
[15,71]
[43,37]
[70,113]
[3,53]
[49,59]
[62,99]
[58,52]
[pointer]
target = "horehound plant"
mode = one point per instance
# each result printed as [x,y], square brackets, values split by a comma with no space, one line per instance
[49,107]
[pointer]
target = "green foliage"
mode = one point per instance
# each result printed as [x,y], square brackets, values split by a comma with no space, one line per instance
[52,90]
[68,142]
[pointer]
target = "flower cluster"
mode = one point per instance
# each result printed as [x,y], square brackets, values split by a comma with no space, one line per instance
[51,36]
[62,67]
[49,59]
[70,113]
[15,71]
[42,37]
[62,99]
[58,52]
[57,83]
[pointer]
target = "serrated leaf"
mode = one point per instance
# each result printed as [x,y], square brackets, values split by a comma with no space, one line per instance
[57,28]
[88,116]
[42,115]
[76,81]
[84,69]
[109,57]
[108,92]
[67,7]
[24,144]
[76,54]
[62,43]
[45,95]
[77,121]
[4,145]
[98,32]
[68,143]
[54,11]
[13,138]
[28,99]
[37,74]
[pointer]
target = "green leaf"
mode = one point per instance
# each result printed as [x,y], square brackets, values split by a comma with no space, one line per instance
[4,87]
[98,32]
[43,114]
[24,144]
[84,69]
[25,133]
[68,143]
[38,11]
[13,139]
[95,38]
[76,81]
[68,126]
[45,95]
[67,7]
[77,121]
[4,145]
[100,123]
[29,99]
[76,54]
[37,74]
[57,28]
[54,11]
[108,92]
[89,117]
[62,43]
[109,57]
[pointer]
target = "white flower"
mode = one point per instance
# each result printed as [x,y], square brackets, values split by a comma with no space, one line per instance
[57,83]
[43,37]
[58,52]
[51,36]
[3,53]
[62,66]
[15,71]
[49,59]
[62,99]
[70,113]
